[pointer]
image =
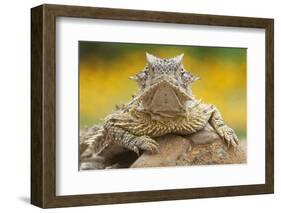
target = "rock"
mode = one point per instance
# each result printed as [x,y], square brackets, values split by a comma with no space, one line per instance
[111,158]
[94,162]
[172,147]
[202,148]
[204,136]
[214,153]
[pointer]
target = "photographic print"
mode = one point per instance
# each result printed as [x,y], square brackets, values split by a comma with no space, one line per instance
[151,105]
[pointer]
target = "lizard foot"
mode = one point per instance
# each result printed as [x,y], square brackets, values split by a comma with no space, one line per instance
[145,143]
[228,135]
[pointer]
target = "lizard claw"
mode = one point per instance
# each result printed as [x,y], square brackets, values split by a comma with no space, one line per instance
[136,150]
[228,135]
[147,144]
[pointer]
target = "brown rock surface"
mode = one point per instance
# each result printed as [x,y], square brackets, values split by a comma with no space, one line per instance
[172,148]
[214,153]
[202,148]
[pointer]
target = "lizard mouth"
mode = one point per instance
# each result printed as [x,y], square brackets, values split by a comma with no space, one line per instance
[165,98]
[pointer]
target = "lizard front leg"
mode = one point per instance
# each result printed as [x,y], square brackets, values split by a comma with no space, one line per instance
[129,140]
[225,132]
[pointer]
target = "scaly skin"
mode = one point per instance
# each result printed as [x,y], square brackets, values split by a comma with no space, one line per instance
[164,105]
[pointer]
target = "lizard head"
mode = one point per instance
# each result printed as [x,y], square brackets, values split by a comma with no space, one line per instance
[165,85]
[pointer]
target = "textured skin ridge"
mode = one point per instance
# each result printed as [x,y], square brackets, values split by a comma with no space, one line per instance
[145,125]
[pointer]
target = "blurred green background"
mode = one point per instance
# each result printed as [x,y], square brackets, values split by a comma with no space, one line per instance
[105,68]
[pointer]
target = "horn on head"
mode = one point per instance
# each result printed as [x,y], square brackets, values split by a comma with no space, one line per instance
[150,58]
[178,59]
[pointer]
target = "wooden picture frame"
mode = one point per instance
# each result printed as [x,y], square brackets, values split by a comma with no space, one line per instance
[43,105]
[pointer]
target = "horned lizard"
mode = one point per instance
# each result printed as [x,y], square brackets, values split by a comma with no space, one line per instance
[164,104]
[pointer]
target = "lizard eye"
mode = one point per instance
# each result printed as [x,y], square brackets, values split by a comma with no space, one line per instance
[185,76]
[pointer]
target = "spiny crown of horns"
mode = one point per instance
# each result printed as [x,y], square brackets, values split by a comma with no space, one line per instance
[166,65]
